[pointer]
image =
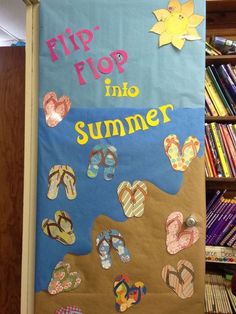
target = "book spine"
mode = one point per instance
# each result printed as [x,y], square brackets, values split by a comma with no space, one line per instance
[225,219]
[210,105]
[220,150]
[214,151]
[231,73]
[228,236]
[230,223]
[210,157]
[232,148]
[228,81]
[214,199]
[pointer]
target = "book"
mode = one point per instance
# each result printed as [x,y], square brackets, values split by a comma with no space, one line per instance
[211,89]
[210,157]
[220,151]
[210,105]
[231,102]
[230,150]
[228,236]
[219,90]
[228,81]
[231,72]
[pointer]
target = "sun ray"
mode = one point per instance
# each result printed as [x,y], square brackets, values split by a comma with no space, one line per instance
[195,20]
[161,14]
[192,34]
[178,42]
[158,28]
[174,6]
[188,8]
[165,39]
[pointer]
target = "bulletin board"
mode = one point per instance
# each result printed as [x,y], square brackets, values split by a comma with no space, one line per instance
[115,148]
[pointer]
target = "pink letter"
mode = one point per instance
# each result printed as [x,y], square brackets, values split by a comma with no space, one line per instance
[120,57]
[51,45]
[108,69]
[83,40]
[72,39]
[79,67]
[62,40]
[92,67]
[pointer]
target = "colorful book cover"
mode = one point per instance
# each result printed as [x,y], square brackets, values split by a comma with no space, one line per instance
[210,105]
[231,147]
[228,80]
[120,157]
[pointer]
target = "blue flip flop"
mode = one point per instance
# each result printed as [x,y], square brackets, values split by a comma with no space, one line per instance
[103,248]
[118,244]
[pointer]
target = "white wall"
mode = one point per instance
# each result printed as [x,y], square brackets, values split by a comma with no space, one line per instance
[12,18]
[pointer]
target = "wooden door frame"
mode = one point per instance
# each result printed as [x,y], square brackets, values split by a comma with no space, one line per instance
[30,158]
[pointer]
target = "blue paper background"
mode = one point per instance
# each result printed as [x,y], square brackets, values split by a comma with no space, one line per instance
[163,75]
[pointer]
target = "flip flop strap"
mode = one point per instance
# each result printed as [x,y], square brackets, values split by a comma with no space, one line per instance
[52,175]
[113,155]
[99,244]
[63,216]
[94,152]
[193,147]
[116,237]
[171,141]
[119,284]
[188,269]
[132,193]
[172,220]
[139,293]
[48,225]
[175,273]
[51,98]
[191,237]
[68,173]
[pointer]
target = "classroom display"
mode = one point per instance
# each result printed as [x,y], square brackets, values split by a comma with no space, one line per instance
[120,157]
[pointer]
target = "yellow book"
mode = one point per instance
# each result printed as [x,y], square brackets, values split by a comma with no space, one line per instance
[220,150]
[210,104]
[212,91]
[208,165]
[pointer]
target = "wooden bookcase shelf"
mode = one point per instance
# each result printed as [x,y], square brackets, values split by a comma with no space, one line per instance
[226,119]
[224,59]
[220,184]
[219,254]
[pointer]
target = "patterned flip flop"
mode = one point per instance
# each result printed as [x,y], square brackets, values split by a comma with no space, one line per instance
[132,197]
[69,181]
[63,280]
[190,150]
[110,162]
[179,237]
[180,280]
[118,244]
[71,309]
[54,179]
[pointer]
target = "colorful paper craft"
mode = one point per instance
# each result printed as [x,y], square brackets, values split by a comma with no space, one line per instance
[69,310]
[180,280]
[107,240]
[61,229]
[179,237]
[132,197]
[181,159]
[61,174]
[63,280]
[127,294]
[55,109]
[105,155]
[177,24]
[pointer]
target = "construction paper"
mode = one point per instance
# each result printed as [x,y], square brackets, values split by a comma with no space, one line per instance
[126,97]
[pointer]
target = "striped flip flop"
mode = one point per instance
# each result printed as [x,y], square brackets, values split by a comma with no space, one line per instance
[132,197]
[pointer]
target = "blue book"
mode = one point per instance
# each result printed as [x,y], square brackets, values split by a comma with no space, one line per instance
[222,70]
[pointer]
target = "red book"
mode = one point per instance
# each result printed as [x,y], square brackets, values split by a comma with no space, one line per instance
[210,157]
[230,144]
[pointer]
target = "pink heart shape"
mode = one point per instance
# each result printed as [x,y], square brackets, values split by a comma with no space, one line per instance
[55,109]
[179,237]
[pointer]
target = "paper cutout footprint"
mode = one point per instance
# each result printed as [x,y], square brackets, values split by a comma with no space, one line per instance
[132,197]
[61,174]
[105,241]
[180,280]
[55,109]
[127,294]
[63,280]
[105,155]
[181,159]
[61,229]
[71,309]
[179,237]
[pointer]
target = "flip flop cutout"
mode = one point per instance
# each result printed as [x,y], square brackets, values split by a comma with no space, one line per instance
[180,280]
[105,241]
[103,155]
[61,174]
[55,109]
[181,159]
[63,280]
[178,236]
[69,310]
[132,197]
[61,229]
[127,294]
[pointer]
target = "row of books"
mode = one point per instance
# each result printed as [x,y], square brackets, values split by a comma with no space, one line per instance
[219,298]
[211,50]
[220,90]
[220,150]
[221,221]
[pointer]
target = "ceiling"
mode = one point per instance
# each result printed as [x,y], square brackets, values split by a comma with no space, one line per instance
[12,21]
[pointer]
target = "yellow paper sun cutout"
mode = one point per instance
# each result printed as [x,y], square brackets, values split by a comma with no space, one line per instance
[177,24]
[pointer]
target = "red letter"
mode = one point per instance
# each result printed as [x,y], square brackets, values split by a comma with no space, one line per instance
[72,39]
[96,75]
[108,69]
[79,68]
[120,57]
[62,40]
[83,40]
[51,45]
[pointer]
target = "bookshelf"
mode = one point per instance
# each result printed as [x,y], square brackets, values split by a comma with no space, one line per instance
[220,21]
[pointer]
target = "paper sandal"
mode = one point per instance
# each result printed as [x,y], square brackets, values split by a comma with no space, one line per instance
[63,280]
[69,180]
[54,229]
[190,149]
[118,244]
[54,179]
[132,197]
[71,309]
[55,109]
[178,236]
[102,155]
[103,248]
[180,280]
